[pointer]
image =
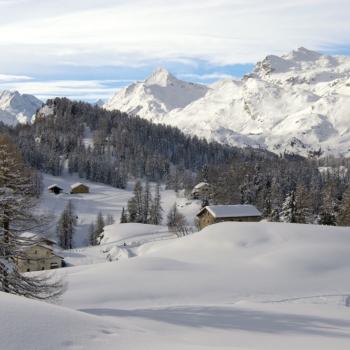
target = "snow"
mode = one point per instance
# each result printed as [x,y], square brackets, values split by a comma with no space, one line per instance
[230,211]
[53,186]
[156,96]
[77,184]
[17,108]
[341,170]
[200,185]
[232,285]
[102,198]
[297,103]
[41,326]
[229,286]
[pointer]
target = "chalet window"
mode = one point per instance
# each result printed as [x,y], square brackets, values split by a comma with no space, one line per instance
[28,270]
[53,265]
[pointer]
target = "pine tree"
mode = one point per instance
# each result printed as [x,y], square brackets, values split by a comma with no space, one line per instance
[66,226]
[288,209]
[303,206]
[156,216]
[138,195]
[123,217]
[136,204]
[16,205]
[91,234]
[146,203]
[344,213]
[327,210]
[100,224]
[132,210]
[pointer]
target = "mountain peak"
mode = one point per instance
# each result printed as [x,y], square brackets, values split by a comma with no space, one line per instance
[16,107]
[161,77]
[302,54]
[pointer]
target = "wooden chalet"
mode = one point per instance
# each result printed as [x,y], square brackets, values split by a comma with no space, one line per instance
[213,214]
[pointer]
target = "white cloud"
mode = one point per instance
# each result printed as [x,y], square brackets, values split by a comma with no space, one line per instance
[9,78]
[131,31]
[76,89]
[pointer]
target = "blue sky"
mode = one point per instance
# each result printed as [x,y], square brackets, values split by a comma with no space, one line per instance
[86,49]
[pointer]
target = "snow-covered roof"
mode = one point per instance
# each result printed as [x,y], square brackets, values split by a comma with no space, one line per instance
[53,186]
[77,185]
[231,211]
[32,235]
[200,185]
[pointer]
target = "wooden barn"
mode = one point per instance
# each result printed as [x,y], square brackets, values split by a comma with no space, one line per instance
[213,214]
[55,189]
[79,188]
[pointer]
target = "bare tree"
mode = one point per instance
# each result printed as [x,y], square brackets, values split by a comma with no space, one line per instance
[177,222]
[16,203]
[66,226]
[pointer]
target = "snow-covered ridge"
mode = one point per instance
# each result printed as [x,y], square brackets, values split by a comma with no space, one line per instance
[17,108]
[298,102]
[156,96]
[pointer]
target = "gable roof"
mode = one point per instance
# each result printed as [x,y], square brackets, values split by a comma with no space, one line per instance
[77,185]
[37,237]
[53,186]
[231,211]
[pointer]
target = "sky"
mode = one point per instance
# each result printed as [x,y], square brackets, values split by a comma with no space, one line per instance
[87,49]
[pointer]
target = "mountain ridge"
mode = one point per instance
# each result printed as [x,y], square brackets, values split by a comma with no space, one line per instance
[17,108]
[294,103]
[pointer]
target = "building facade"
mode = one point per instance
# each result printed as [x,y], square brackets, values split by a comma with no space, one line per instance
[79,188]
[220,213]
[38,257]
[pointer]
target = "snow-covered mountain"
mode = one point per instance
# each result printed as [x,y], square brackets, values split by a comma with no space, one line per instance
[17,108]
[158,95]
[299,103]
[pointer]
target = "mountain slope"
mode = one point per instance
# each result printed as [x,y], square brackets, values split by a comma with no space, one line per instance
[156,96]
[17,108]
[299,103]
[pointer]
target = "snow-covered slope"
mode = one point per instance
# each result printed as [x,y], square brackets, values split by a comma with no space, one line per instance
[102,198]
[230,286]
[156,96]
[37,325]
[299,103]
[17,108]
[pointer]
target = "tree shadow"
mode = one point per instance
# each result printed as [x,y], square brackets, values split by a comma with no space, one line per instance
[230,318]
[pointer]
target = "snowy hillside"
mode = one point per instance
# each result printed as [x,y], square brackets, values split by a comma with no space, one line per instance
[297,103]
[17,108]
[102,198]
[230,286]
[36,325]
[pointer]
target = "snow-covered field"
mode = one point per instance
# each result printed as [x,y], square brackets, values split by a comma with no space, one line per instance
[229,286]
[102,198]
